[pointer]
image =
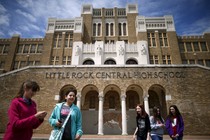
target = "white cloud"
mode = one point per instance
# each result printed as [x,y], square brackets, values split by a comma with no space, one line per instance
[27,15]
[4,16]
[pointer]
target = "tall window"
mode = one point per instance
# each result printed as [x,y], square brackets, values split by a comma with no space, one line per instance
[163,40]
[26,48]
[97,29]
[57,40]
[33,48]
[151,39]
[196,47]
[68,40]
[109,29]
[181,47]
[203,46]
[4,48]
[189,46]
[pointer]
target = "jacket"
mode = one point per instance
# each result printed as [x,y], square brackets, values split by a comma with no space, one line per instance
[22,120]
[156,128]
[180,126]
[76,119]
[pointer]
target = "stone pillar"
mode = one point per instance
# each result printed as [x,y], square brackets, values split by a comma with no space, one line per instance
[146,104]
[100,115]
[124,120]
[79,99]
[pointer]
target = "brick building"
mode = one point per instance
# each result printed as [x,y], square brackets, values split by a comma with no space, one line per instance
[114,58]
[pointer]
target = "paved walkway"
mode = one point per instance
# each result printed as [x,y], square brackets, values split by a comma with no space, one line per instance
[115,137]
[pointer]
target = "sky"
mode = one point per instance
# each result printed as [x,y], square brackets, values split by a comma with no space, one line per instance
[29,18]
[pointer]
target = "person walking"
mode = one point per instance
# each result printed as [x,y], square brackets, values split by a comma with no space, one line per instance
[175,123]
[22,113]
[157,125]
[142,122]
[73,126]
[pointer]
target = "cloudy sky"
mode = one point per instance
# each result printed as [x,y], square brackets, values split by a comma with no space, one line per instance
[29,17]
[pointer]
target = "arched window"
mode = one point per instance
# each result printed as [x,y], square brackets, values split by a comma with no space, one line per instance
[110,62]
[88,62]
[131,62]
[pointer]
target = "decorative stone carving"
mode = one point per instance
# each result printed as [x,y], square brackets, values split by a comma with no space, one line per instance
[77,51]
[143,50]
[98,50]
[121,50]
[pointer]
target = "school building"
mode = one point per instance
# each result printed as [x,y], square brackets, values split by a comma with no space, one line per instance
[115,59]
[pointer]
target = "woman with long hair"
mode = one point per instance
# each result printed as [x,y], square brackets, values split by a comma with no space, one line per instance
[142,122]
[157,124]
[23,116]
[73,126]
[175,123]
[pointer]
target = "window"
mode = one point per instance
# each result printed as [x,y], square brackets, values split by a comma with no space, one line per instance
[110,62]
[26,48]
[124,29]
[196,47]
[2,63]
[33,48]
[207,61]
[184,61]
[57,40]
[163,40]
[92,102]
[154,59]
[94,29]
[181,47]
[109,29]
[119,28]
[191,61]
[67,60]
[188,46]
[16,65]
[200,62]
[4,48]
[131,61]
[203,46]
[151,39]
[68,40]
[40,47]
[166,59]
[88,62]
[54,60]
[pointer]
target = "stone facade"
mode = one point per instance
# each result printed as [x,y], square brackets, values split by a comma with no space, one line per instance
[185,86]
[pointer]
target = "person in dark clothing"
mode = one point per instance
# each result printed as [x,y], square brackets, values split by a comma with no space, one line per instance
[175,123]
[142,122]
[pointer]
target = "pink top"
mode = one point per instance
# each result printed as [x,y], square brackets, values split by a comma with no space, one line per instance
[21,120]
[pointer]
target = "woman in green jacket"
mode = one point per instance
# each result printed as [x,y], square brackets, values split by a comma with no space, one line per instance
[73,127]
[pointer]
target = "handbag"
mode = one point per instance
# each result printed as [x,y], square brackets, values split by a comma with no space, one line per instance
[57,134]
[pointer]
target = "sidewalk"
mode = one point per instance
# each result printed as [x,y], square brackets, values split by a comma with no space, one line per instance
[115,137]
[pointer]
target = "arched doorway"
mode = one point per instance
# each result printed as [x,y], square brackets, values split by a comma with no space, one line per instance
[157,98]
[134,95]
[112,117]
[89,109]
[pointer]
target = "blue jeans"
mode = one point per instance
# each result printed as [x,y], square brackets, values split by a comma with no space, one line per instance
[156,137]
[141,138]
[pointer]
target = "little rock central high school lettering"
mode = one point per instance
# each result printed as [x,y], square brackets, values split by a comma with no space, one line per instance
[113,75]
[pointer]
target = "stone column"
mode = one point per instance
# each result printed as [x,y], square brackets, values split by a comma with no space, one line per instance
[124,120]
[79,99]
[100,115]
[146,104]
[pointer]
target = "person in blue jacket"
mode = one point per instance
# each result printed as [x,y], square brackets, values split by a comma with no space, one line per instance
[175,123]
[73,127]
